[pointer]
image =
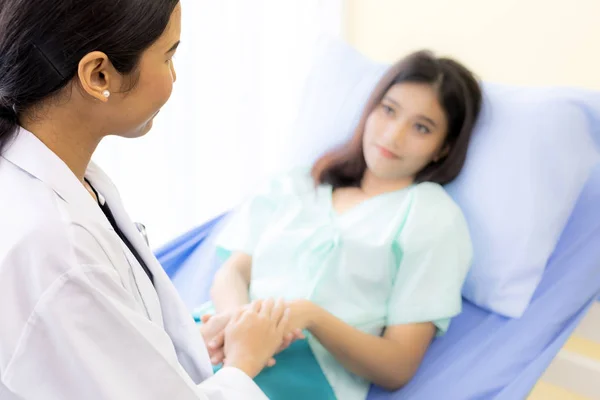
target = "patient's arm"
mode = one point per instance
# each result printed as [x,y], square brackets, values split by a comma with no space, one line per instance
[229,292]
[230,288]
[389,361]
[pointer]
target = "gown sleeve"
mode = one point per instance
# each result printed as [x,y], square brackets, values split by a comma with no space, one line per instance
[435,254]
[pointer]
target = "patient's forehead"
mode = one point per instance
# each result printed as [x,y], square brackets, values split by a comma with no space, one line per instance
[417,99]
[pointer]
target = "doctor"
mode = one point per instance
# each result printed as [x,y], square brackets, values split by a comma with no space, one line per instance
[86,311]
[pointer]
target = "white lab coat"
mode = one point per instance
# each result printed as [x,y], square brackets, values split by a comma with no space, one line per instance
[79,318]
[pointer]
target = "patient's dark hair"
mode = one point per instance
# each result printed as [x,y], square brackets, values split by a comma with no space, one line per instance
[42,42]
[459,95]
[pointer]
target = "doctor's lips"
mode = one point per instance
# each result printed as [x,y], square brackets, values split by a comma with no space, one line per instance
[386,153]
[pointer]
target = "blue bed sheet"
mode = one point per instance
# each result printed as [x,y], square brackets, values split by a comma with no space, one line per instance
[483,355]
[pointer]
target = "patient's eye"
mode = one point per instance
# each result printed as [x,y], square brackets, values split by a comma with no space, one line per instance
[388,110]
[422,128]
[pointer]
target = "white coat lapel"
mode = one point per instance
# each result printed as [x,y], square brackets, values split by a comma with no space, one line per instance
[29,154]
[178,322]
[106,189]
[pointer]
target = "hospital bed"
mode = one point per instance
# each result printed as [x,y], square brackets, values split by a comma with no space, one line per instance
[484,355]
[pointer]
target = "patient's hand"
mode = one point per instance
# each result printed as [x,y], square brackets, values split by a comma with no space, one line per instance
[212,330]
[212,325]
[302,314]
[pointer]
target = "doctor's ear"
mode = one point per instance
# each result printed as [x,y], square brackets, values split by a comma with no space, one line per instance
[97,76]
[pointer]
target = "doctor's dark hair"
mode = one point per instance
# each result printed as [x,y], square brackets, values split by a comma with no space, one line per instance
[460,96]
[42,42]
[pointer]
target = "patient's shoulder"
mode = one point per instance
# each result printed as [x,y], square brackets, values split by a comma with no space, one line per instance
[435,214]
[433,202]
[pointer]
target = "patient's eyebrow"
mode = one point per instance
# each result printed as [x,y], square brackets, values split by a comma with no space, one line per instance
[428,120]
[388,98]
[173,48]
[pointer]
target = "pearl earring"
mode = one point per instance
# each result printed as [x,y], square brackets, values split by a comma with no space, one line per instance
[106,94]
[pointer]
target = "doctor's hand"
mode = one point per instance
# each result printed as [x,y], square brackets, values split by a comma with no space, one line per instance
[254,335]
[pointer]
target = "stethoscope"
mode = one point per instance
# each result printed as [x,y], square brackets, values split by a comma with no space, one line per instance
[138,225]
[142,230]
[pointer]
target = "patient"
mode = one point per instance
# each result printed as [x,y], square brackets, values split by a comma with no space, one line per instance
[366,248]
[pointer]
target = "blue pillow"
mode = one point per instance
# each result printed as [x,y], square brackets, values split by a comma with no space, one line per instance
[531,153]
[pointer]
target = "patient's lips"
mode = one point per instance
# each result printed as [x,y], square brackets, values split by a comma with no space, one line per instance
[386,153]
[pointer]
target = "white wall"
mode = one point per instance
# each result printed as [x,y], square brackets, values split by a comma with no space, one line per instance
[240,69]
[531,42]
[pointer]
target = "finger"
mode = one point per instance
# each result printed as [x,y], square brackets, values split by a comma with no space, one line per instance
[267,307]
[205,318]
[285,343]
[238,314]
[221,320]
[202,330]
[299,334]
[278,310]
[217,358]
[255,307]
[271,363]
[284,321]
[217,341]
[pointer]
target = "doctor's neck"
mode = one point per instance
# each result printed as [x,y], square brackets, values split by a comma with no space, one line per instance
[66,133]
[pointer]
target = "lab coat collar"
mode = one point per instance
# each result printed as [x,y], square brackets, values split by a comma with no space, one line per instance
[30,154]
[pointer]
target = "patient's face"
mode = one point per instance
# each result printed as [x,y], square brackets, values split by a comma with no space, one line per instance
[405,132]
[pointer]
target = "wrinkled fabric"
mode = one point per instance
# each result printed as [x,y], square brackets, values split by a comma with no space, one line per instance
[397,258]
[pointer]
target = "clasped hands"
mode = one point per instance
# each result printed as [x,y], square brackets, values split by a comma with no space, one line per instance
[249,337]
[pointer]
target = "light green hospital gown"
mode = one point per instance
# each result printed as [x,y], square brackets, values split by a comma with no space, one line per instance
[397,258]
